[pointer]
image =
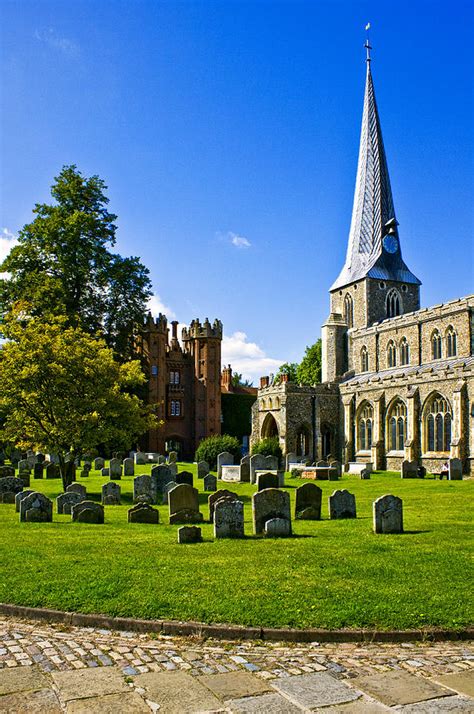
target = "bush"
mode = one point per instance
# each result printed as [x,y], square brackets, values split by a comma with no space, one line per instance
[210,448]
[268,447]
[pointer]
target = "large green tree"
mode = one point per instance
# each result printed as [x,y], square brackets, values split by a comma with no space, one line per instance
[309,369]
[63,265]
[63,392]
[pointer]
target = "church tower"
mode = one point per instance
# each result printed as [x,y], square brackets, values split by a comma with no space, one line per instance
[374,283]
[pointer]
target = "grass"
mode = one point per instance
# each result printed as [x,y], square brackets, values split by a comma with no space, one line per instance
[330,574]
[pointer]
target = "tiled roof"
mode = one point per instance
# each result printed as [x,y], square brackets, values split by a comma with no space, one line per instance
[407,371]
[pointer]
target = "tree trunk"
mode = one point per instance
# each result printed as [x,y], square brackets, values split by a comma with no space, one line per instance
[67,471]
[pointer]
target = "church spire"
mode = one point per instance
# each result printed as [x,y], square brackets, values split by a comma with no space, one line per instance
[374,249]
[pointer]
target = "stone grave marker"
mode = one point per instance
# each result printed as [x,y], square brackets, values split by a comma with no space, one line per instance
[308,502]
[88,512]
[115,469]
[388,514]
[128,467]
[214,497]
[245,469]
[161,459]
[105,473]
[160,475]
[202,469]
[267,480]
[172,457]
[189,534]
[143,513]
[337,466]
[322,464]
[36,508]
[173,469]
[277,528]
[455,470]
[65,501]
[224,459]
[23,465]
[271,463]
[38,470]
[185,477]
[228,518]
[7,497]
[77,488]
[257,463]
[7,471]
[230,473]
[140,459]
[290,458]
[24,477]
[210,482]
[409,469]
[143,489]
[166,489]
[99,463]
[269,504]
[364,475]
[183,502]
[18,498]
[11,484]
[342,504]
[111,494]
[85,470]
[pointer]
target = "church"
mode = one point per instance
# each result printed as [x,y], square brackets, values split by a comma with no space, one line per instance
[397,380]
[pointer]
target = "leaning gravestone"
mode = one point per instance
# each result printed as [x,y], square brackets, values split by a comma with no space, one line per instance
[267,481]
[36,508]
[409,469]
[245,469]
[166,489]
[65,501]
[270,504]
[388,514]
[88,512]
[214,497]
[257,463]
[128,467]
[342,504]
[111,494]
[19,497]
[455,470]
[115,469]
[202,469]
[185,477]
[143,513]
[224,459]
[229,519]
[183,501]
[172,457]
[10,484]
[140,459]
[210,482]
[277,528]
[308,502]
[38,470]
[189,534]
[160,475]
[77,488]
[99,463]
[142,489]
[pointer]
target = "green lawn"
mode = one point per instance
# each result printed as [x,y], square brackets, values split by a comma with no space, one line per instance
[330,574]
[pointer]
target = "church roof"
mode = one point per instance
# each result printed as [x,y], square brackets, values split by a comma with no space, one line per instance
[373,213]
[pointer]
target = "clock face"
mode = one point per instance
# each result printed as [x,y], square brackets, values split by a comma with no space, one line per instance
[390,243]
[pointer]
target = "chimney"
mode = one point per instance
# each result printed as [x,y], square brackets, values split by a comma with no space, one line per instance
[264,382]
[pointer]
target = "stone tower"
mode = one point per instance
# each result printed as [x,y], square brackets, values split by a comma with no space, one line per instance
[374,283]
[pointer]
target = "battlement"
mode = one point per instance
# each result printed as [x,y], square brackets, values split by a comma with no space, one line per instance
[198,330]
[159,324]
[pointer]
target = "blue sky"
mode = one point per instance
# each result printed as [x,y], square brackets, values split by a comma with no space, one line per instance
[228,134]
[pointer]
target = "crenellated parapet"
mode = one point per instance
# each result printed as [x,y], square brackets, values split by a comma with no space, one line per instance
[158,324]
[198,330]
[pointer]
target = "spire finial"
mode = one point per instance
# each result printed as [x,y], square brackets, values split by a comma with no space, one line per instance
[367,45]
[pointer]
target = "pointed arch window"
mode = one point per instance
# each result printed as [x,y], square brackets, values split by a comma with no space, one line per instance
[404,352]
[391,354]
[397,426]
[364,359]
[436,345]
[364,427]
[393,303]
[270,403]
[438,421]
[451,342]
[349,310]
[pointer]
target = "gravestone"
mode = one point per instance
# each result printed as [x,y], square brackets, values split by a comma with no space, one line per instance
[202,469]
[290,458]
[388,514]
[85,471]
[364,475]
[257,463]
[10,484]
[65,501]
[160,475]
[153,457]
[105,472]
[161,460]
[99,463]
[172,457]
[38,470]
[36,508]
[143,489]
[7,497]
[270,504]
[143,513]
[185,477]
[230,473]
[23,466]
[271,463]
[210,482]
[308,502]
[322,464]
[267,480]
[183,502]
[228,519]
[115,469]
[19,497]
[224,459]
[455,470]
[245,469]
[128,467]
[337,466]
[77,488]
[7,471]
[277,528]
[189,534]
[24,477]
[111,494]
[342,504]
[140,459]
[173,468]
[214,497]
[166,489]
[409,469]
[88,512]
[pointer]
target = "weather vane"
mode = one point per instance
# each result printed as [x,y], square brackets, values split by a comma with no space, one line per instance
[367,43]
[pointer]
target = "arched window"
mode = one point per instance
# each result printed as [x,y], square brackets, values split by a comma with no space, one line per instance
[436,345]
[302,441]
[451,342]
[262,404]
[391,354]
[364,359]
[404,352]
[437,424]
[393,303]
[397,426]
[349,311]
[270,403]
[364,424]
[277,403]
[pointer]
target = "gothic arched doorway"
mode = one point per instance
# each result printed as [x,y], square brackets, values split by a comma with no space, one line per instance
[269,427]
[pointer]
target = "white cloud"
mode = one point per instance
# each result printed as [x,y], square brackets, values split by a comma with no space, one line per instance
[7,241]
[156,305]
[63,44]
[247,357]
[235,239]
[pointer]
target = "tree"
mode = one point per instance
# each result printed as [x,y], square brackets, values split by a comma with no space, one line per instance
[62,265]
[309,370]
[63,392]
[289,369]
[237,380]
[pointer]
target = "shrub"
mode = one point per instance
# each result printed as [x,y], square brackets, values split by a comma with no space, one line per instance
[210,448]
[268,447]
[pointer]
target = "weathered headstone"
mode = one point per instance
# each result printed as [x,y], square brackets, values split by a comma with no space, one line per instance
[322,464]
[172,457]
[364,475]
[189,534]
[224,459]
[290,458]
[257,463]
[214,497]
[23,465]
[228,518]
[409,469]
[111,494]
[160,475]
[185,477]
[7,472]
[342,504]
[36,508]
[7,497]
[38,470]
[166,489]
[308,502]
[270,504]
[455,470]
[140,459]
[388,514]
[24,477]
[19,497]
[271,463]
[245,469]
[173,468]
[267,480]
[277,528]
[142,489]
[230,473]
[202,469]
[210,482]
[337,466]
[65,501]
[88,512]
[99,463]
[143,513]
[77,488]
[161,460]
[10,484]
[183,502]
[105,472]
[115,469]
[85,471]
[128,467]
